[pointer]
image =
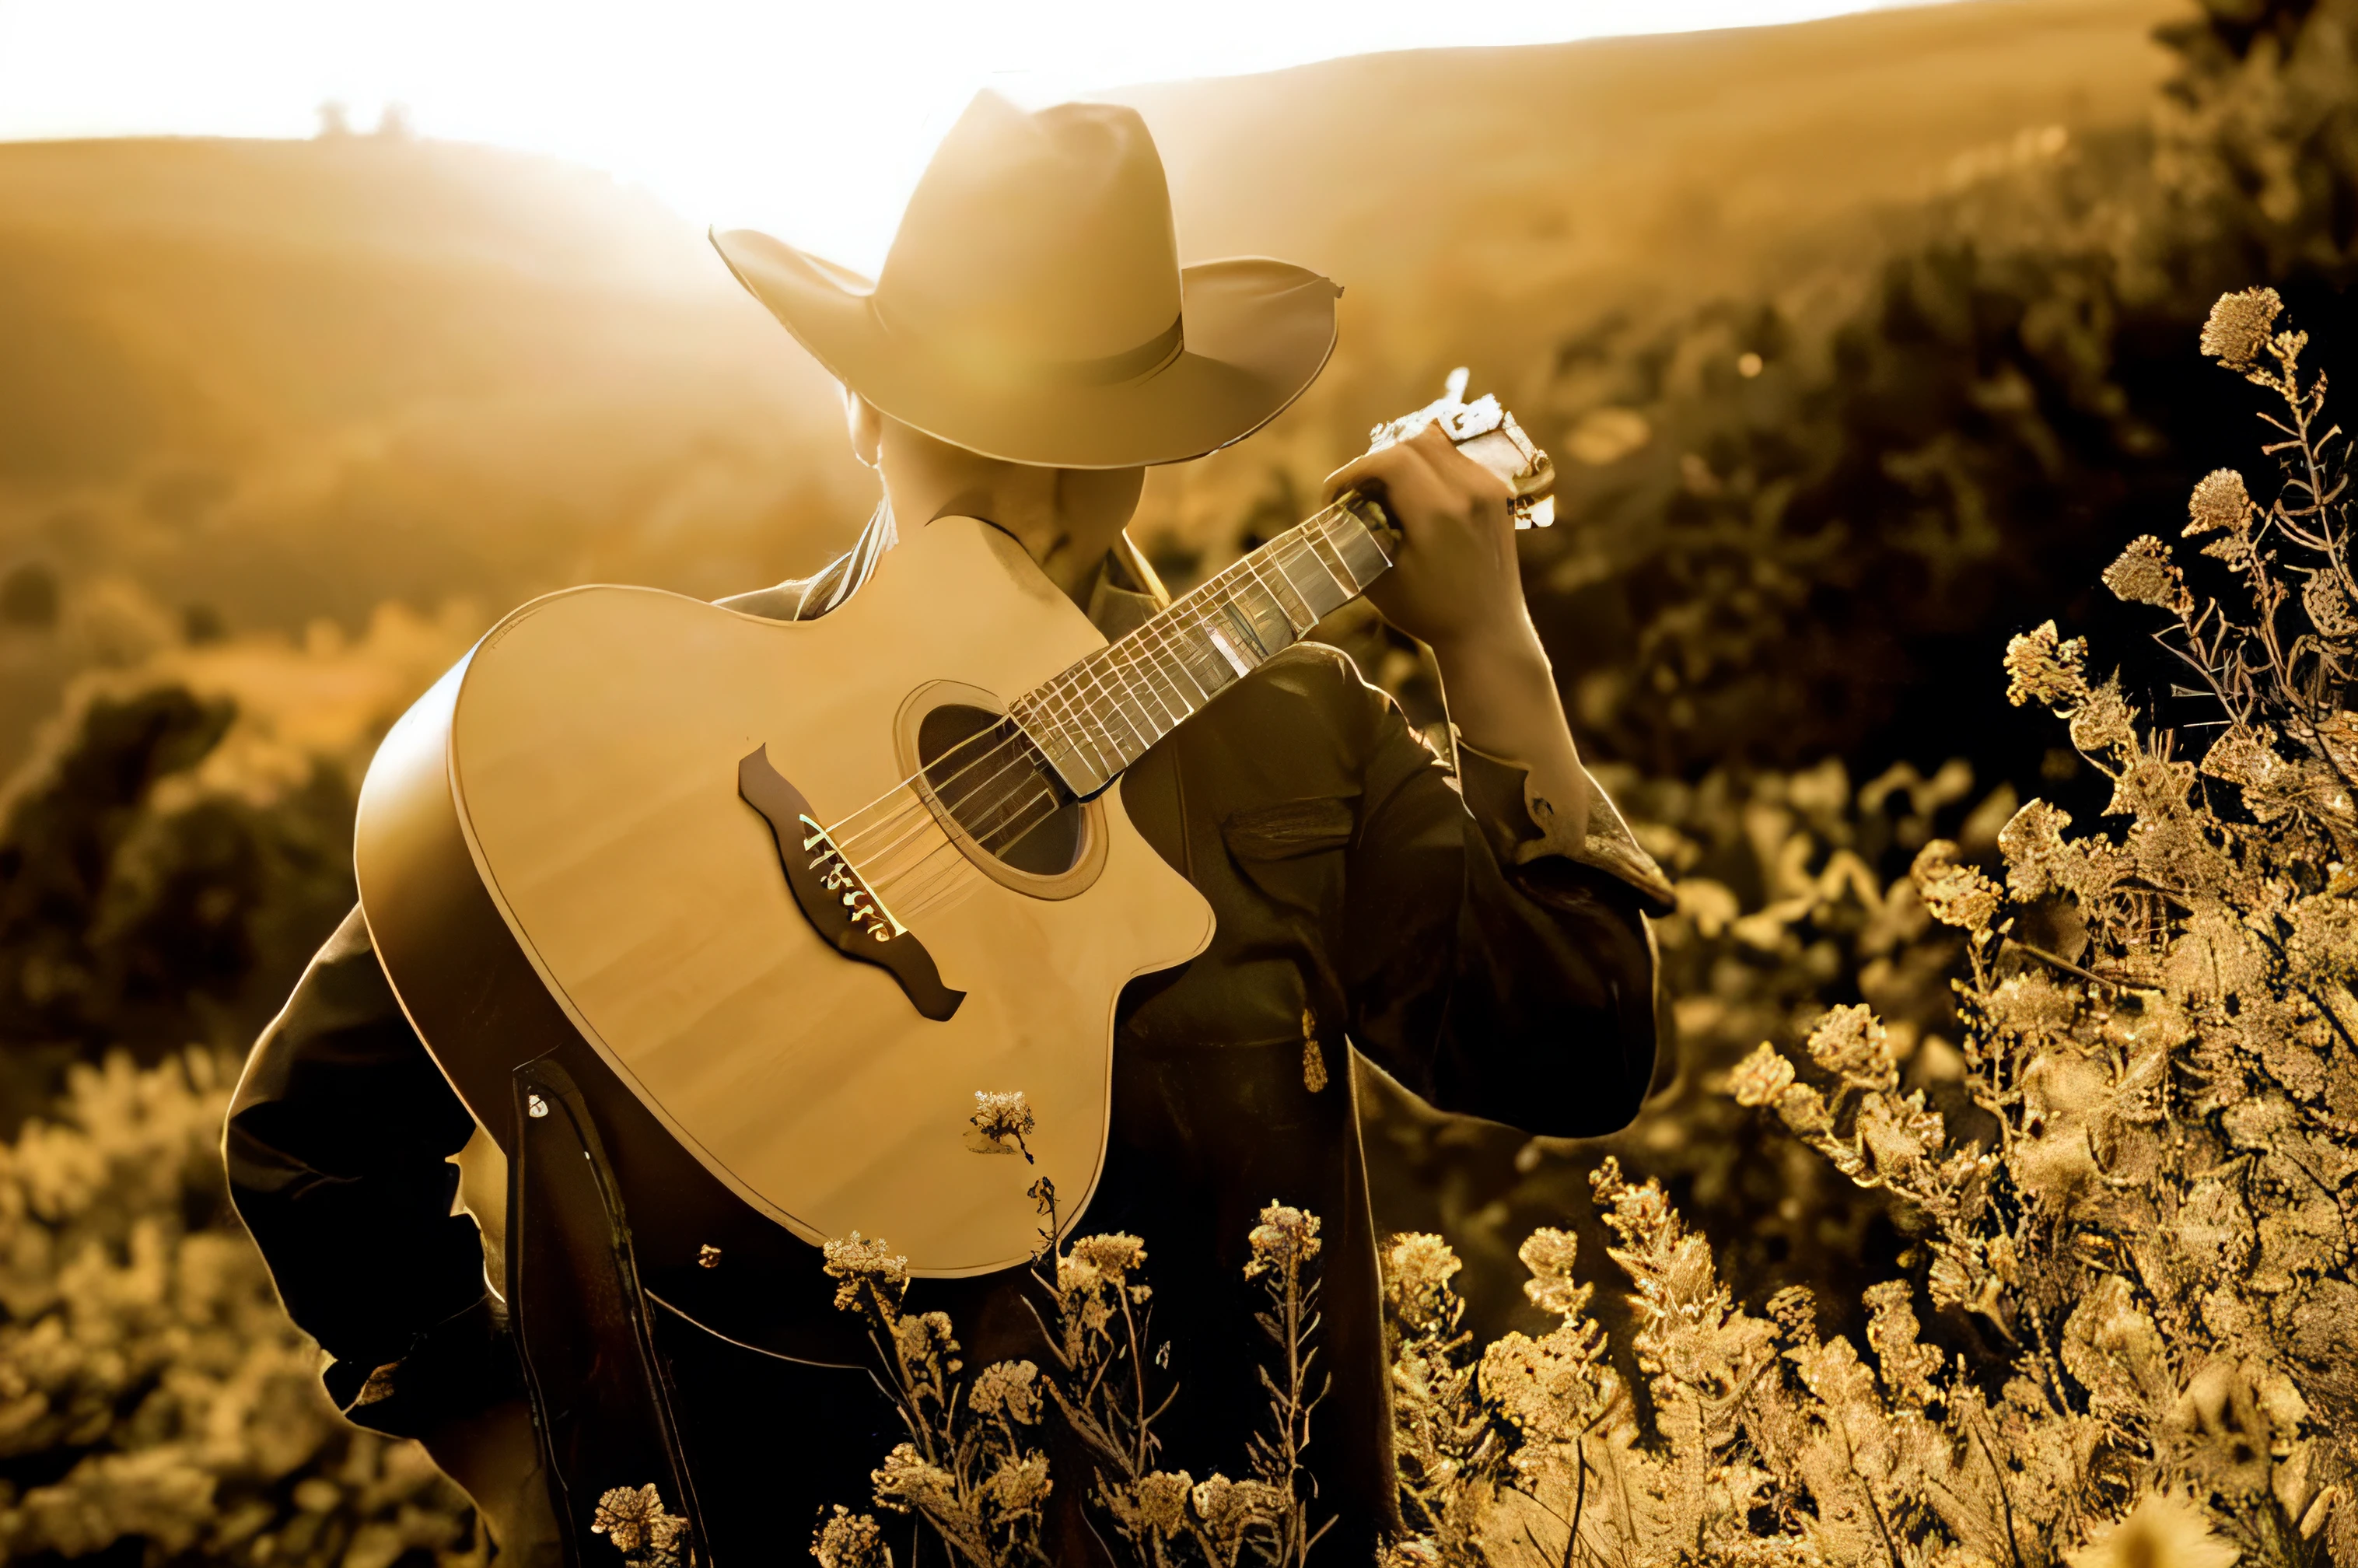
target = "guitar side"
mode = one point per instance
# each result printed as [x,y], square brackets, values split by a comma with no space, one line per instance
[588,757]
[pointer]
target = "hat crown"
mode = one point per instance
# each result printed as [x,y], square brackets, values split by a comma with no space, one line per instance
[1038,238]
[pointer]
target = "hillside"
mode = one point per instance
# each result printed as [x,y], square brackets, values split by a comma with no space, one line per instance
[243,385]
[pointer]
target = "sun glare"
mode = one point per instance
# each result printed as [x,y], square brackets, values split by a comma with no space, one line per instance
[809,119]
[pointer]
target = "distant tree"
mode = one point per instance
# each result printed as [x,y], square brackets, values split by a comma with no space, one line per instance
[335,120]
[395,123]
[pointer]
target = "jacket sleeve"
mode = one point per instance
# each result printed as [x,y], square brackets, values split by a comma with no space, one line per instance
[338,1147]
[1494,971]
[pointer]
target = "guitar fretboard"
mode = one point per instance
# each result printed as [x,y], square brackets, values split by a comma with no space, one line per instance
[1099,716]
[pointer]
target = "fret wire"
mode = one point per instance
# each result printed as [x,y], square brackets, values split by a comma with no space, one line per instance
[1139,692]
[1278,561]
[1079,706]
[1099,669]
[1144,657]
[1336,567]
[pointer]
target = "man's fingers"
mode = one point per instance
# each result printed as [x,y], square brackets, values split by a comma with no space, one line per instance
[1456,467]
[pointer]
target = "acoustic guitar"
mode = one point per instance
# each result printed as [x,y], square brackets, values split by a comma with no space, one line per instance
[792,894]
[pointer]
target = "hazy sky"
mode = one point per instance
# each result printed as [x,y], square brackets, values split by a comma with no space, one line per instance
[810,119]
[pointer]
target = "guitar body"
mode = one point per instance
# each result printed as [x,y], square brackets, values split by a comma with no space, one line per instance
[572,810]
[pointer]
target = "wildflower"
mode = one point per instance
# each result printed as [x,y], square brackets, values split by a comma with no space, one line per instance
[1851,1041]
[631,1517]
[1018,1487]
[1003,1119]
[1803,1111]
[2042,665]
[1161,1501]
[926,1338]
[907,1483]
[1418,1268]
[1548,1254]
[1956,894]
[1112,1254]
[2104,722]
[2328,606]
[1760,1078]
[1228,1507]
[2151,789]
[850,1540]
[1008,1386]
[2219,503]
[2239,325]
[2161,1531]
[1286,1236]
[855,1261]
[2038,861]
[2145,575]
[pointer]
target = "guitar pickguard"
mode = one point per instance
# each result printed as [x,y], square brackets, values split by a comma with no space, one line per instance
[839,909]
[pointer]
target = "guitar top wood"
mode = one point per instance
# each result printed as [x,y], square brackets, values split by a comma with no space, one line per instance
[591,748]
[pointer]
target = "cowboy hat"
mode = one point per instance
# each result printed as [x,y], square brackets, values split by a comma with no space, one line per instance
[1033,307]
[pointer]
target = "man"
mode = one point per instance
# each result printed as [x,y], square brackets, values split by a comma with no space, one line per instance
[1031,346]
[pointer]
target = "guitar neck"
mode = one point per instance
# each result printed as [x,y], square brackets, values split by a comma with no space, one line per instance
[1099,716]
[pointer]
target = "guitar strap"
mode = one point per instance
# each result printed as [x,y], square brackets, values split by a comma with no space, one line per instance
[602,1403]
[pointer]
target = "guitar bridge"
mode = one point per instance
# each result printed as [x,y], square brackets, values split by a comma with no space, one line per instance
[841,908]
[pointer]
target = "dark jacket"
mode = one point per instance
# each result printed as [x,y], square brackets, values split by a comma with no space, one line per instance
[1365,898]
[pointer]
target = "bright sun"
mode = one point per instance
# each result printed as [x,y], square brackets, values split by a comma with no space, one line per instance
[810,119]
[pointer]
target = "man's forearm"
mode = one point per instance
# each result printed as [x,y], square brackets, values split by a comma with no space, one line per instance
[1501,696]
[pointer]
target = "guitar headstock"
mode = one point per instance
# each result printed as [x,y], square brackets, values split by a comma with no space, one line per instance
[1489,434]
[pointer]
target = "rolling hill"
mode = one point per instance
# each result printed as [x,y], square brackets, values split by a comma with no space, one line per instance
[246,385]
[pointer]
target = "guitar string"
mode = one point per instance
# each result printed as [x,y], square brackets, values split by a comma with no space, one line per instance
[1159,639]
[919,889]
[1020,818]
[1160,636]
[1067,676]
[915,898]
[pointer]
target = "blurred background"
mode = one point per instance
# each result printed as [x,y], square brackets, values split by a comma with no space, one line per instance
[1861,342]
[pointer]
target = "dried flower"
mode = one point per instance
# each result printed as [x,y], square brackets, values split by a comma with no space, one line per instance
[907,1483]
[1160,1500]
[1548,1255]
[1017,1487]
[633,1519]
[1008,1387]
[1852,1041]
[2144,574]
[2328,605]
[1956,894]
[2219,503]
[2239,325]
[924,1339]
[850,1540]
[1418,1268]
[1113,1255]
[2038,861]
[1004,1121]
[1760,1078]
[1285,1237]
[2041,666]
[2161,1531]
[2105,724]
[856,1261]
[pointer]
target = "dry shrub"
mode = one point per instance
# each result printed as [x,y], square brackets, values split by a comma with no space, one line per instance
[2142,1274]
[154,1398]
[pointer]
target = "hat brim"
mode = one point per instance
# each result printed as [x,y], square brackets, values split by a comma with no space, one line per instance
[1256,333]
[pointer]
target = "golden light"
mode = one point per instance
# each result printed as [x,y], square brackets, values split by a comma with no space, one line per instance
[811,120]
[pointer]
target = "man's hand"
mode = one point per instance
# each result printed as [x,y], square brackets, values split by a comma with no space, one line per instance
[1455,582]
[1455,586]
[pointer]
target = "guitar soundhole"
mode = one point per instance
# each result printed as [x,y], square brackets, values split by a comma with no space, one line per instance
[991,781]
